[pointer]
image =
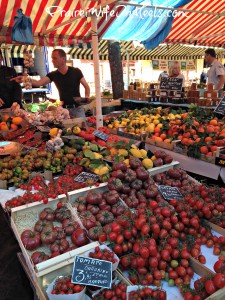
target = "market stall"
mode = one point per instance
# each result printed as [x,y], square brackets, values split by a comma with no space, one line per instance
[106,192]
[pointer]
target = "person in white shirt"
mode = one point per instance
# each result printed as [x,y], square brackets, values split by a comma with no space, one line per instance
[216,73]
[163,74]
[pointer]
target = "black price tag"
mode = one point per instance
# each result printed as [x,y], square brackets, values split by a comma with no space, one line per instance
[84,176]
[171,83]
[220,161]
[90,271]
[101,135]
[220,109]
[170,192]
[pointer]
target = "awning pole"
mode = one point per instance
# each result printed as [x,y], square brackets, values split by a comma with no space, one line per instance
[99,118]
[128,68]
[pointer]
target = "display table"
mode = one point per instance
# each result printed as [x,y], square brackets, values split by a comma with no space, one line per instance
[192,165]
[132,104]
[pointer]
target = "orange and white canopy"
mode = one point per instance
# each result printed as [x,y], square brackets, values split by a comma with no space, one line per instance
[203,24]
[57,22]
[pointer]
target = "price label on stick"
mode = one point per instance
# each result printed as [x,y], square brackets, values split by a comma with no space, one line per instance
[90,271]
[101,135]
[170,192]
[84,176]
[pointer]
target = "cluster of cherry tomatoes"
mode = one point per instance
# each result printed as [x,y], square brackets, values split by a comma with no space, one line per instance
[65,286]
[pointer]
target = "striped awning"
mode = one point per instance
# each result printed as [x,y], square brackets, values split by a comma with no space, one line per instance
[63,22]
[58,22]
[203,23]
[20,51]
[164,51]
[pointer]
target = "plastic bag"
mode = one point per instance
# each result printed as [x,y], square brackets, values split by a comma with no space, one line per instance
[22,29]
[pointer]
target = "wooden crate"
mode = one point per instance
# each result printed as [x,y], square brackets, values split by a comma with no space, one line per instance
[203,271]
[168,146]
[24,217]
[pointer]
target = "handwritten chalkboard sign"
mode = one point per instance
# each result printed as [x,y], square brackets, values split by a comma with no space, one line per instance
[220,109]
[92,271]
[101,135]
[171,83]
[84,176]
[170,192]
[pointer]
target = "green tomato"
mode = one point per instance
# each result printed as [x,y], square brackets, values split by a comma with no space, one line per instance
[174,263]
[171,282]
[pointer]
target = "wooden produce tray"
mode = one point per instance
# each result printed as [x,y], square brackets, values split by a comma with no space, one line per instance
[120,132]
[24,217]
[163,168]
[169,146]
[203,271]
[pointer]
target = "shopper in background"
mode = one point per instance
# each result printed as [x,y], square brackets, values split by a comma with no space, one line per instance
[216,73]
[163,74]
[174,71]
[203,77]
[10,91]
[67,80]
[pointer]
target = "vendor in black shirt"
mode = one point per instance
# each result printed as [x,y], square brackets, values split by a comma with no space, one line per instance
[67,80]
[10,91]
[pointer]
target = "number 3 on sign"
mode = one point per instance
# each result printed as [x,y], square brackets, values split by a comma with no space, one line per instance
[80,276]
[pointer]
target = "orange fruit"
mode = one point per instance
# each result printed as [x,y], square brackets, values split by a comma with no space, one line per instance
[4,126]
[167,141]
[210,129]
[186,134]
[158,139]
[163,136]
[184,141]
[209,154]
[190,141]
[213,122]
[195,123]
[204,149]
[14,126]
[5,117]
[208,139]
[17,120]
[213,148]
[156,129]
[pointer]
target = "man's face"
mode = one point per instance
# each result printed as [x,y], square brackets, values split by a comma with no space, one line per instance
[207,58]
[57,60]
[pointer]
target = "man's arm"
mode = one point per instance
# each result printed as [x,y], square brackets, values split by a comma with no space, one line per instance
[86,87]
[221,82]
[43,81]
[35,83]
